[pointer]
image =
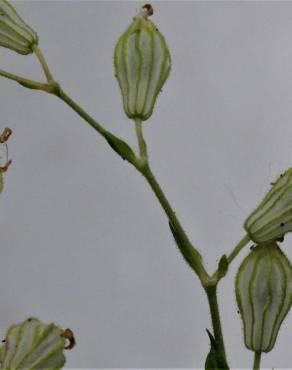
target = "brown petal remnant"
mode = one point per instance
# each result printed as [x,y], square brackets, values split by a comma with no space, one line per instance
[5,135]
[5,168]
[148,9]
[69,335]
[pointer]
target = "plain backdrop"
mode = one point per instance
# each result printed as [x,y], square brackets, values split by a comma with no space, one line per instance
[84,243]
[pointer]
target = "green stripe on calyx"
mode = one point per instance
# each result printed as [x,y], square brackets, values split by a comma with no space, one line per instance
[242,291]
[145,53]
[121,76]
[7,9]
[9,29]
[250,294]
[287,299]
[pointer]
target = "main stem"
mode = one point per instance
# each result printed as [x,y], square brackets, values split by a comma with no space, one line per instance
[257,360]
[210,289]
[196,262]
[146,171]
[215,316]
[80,111]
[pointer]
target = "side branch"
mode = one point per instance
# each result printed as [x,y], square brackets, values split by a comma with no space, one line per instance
[30,84]
[190,254]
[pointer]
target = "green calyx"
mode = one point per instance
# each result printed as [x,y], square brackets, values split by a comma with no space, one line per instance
[142,64]
[15,34]
[33,345]
[264,295]
[272,219]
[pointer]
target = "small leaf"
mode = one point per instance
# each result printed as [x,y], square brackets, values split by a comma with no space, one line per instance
[29,85]
[215,359]
[120,147]
[223,266]
[190,254]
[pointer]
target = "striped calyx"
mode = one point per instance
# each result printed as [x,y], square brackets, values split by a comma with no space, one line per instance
[142,64]
[15,34]
[272,219]
[264,295]
[33,345]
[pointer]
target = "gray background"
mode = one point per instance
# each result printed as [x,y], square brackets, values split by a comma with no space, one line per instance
[83,241]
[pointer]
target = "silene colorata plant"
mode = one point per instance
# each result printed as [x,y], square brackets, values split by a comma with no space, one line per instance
[263,284]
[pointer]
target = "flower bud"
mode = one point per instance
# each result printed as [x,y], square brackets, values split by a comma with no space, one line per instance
[33,345]
[264,295]
[142,65]
[15,34]
[272,219]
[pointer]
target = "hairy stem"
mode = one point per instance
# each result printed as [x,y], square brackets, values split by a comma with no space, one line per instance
[43,63]
[31,84]
[257,360]
[243,242]
[215,316]
[80,111]
[186,246]
[141,141]
[144,168]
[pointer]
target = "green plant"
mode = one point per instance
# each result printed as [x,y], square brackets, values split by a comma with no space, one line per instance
[142,64]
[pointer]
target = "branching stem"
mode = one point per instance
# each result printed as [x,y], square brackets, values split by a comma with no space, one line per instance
[187,248]
[215,316]
[141,163]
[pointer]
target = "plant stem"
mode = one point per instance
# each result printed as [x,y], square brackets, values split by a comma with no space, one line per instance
[186,246]
[141,141]
[59,92]
[238,248]
[80,111]
[147,173]
[31,84]
[187,249]
[145,169]
[257,360]
[191,254]
[43,63]
[215,316]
